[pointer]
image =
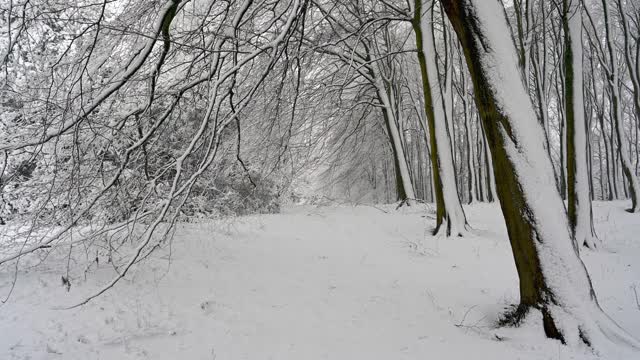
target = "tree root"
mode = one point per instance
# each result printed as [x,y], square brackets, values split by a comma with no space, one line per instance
[592,328]
[514,316]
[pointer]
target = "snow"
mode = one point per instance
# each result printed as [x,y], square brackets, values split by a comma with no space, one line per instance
[393,125]
[135,64]
[583,202]
[616,100]
[335,282]
[564,272]
[443,130]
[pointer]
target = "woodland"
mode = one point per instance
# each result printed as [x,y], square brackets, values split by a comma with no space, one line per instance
[127,125]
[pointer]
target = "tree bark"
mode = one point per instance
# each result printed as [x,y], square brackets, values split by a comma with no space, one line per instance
[553,279]
[618,122]
[449,211]
[404,185]
[578,193]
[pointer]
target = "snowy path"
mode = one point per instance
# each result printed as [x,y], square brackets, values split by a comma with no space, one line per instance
[314,283]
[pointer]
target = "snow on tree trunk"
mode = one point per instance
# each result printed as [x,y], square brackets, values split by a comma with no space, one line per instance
[469,145]
[553,279]
[623,146]
[491,178]
[447,93]
[633,68]
[394,134]
[450,215]
[578,193]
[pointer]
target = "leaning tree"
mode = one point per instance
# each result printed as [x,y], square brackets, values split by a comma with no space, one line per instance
[553,278]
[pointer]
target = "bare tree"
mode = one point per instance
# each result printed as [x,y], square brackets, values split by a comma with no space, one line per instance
[579,194]
[99,122]
[553,279]
[449,210]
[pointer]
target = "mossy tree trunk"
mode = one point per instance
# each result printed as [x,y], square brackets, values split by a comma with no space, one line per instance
[552,277]
[450,216]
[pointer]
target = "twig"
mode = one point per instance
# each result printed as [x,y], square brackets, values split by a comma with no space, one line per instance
[465,316]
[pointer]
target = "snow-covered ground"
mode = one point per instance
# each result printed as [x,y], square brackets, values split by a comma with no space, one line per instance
[314,283]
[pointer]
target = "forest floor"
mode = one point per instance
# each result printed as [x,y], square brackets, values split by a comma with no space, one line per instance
[337,282]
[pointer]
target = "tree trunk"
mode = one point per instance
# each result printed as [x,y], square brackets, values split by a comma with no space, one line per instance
[490,182]
[600,179]
[468,141]
[618,123]
[633,68]
[578,193]
[404,186]
[480,152]
[449,211]
[553,279]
